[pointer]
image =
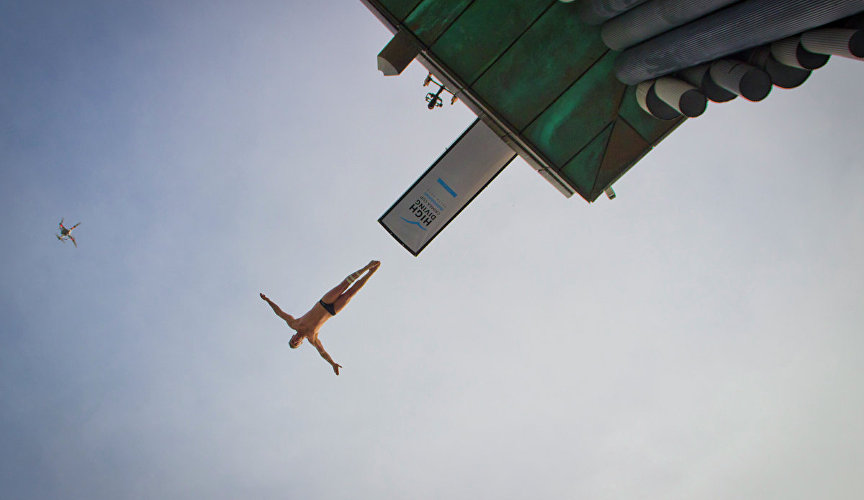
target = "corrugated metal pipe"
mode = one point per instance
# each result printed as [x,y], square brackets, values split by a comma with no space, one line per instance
[681,96]
[742,79]
[668,98]
[736,28]
[651,104]
[790,52]
[836,41]
[700,77]
[781,75]
[653,18]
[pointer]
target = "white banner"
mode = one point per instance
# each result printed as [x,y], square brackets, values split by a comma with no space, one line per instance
[449,185]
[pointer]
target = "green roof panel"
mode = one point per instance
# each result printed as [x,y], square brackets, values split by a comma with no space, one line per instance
[399,8]
[579,114]
[544,62]
[429,19]
[625,147]
[483,32]
[581,171]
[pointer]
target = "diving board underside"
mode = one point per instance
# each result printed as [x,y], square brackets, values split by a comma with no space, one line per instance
[533,71]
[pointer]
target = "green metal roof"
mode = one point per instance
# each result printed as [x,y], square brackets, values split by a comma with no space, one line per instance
[544,76]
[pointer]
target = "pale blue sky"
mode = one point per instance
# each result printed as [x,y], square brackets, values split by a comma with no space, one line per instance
[698,337]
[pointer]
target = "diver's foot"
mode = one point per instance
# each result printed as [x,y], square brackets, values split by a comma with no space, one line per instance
[264,297]
[374,265]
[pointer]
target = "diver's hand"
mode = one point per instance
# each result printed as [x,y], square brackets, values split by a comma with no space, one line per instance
[264,297]
[336,367]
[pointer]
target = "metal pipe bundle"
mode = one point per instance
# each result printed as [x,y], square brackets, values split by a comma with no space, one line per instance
[700,76]
[739,78]
[738,27]
[790,52]
[782,76]
[653,18]
[651,104]
[836,41]
[681,96]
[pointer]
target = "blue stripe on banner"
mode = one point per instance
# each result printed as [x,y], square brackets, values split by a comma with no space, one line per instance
[432,200]
[441,181]
[413,222]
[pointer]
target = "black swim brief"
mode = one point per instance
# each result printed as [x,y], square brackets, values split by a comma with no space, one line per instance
[328,307]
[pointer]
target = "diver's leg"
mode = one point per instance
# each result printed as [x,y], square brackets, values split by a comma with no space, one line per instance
[331,296]
[334,294]
[346,297]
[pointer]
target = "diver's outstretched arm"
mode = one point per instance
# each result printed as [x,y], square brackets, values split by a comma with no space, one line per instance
[279,312]
[323,353]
